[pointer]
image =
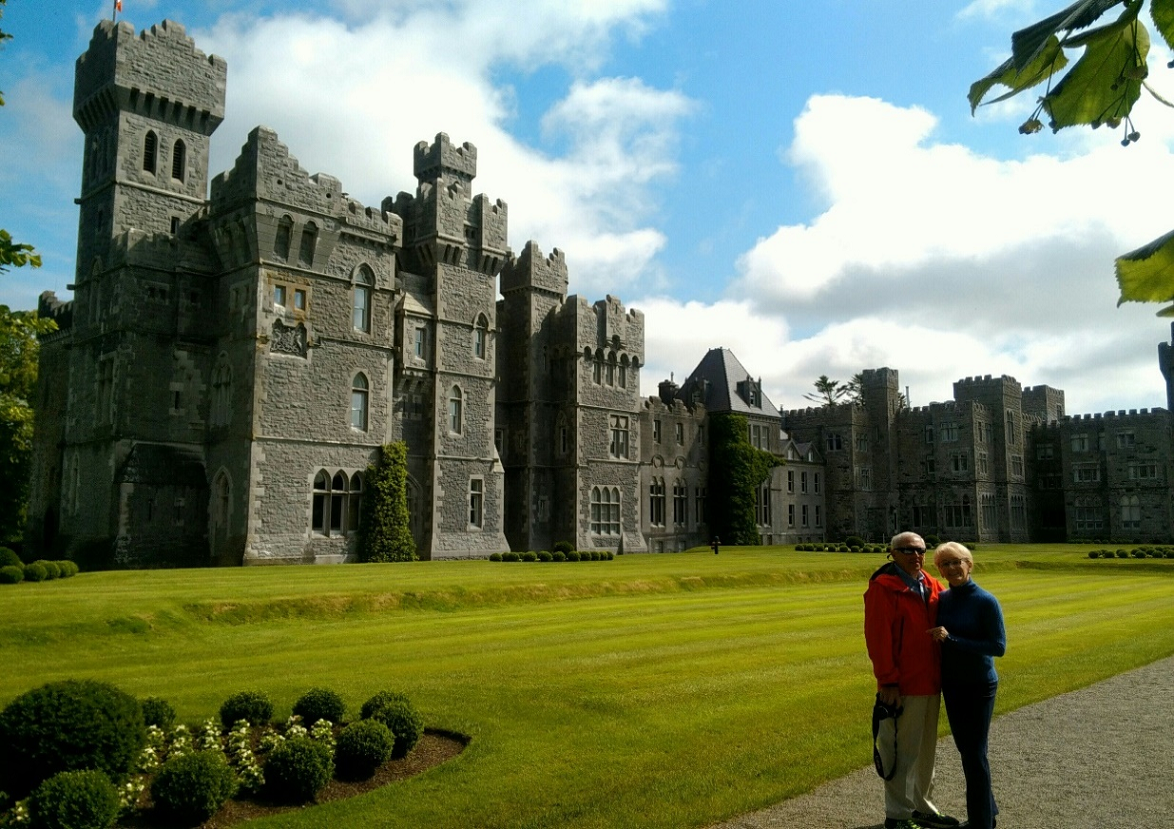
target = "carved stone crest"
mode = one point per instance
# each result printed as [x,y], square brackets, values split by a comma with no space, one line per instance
[289,340]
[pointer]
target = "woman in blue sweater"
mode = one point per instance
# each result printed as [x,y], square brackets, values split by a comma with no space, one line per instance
[970,630]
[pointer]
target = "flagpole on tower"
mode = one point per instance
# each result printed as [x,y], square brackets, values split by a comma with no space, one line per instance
[117,9]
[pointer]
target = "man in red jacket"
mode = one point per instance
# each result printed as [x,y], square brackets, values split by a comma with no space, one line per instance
[900,606]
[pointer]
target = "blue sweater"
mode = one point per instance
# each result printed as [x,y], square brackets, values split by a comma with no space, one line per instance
[974,620]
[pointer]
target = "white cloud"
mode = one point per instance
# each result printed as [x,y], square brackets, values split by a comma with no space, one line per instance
[353,101]
[942,263]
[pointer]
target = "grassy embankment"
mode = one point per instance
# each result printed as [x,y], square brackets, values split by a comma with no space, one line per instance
[650,691]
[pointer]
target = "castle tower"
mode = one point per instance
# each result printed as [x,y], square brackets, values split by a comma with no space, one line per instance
[148,105]
[535,368]
[454,246]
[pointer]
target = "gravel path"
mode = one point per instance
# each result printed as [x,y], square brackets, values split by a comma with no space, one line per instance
[1098,758]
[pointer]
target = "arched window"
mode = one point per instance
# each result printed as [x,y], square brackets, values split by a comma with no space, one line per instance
[455,410]
[624,372]
[611,369]
[221,498]
[361,300]
[321,495]
[309,243]
[284,235]
[150,151]
[481,337]
[359,394]
[597,369]
[605,510]
[179,161]
[337,503]
[222,393]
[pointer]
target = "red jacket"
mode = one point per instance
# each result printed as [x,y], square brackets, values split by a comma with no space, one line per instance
[896,625]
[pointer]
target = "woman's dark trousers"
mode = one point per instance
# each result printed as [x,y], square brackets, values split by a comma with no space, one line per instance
[969,709]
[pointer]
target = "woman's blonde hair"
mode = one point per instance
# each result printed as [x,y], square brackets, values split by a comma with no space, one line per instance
[954,547]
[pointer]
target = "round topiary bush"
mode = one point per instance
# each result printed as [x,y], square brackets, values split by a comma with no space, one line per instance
[253,706]
[558,555]
[404,721]
[361,748]
[68,568]
[35,572]
[158,712]
[529,555]
[1122,554]
[84,799]
[854,541]
[495,556]
[11,574]
[510,556]
[66,726]
[573,555]
[52,571]
[545,555]
[563,547]
[380,700]
[8,557]
[1094,553]
[297,769]
[190,788]
[320,704]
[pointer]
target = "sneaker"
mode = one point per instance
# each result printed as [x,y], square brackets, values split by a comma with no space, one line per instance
[936,821]
[901,823]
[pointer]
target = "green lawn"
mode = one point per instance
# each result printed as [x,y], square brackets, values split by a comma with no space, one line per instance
[653,691]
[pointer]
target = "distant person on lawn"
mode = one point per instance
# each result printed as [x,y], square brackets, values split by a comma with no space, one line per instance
[971,632]
[900,608]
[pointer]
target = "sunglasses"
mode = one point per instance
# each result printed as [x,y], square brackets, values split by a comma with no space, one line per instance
[910,551]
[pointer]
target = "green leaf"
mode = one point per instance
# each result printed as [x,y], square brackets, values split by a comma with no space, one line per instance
[1050,60]
[1106,82]
[1162,13]
[1028,43]
[1147,274]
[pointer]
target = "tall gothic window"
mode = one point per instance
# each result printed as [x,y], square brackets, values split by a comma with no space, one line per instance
[455,406]
[284,235]
[476,502]
[619,436]
[150,151]
[309,243]
[361,300]
[481,337]
[179,161]
[359,397]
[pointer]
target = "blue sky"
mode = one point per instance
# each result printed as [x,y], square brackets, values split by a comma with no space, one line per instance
[800,182]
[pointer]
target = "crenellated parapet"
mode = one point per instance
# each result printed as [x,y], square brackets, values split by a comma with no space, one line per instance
[160,75]
[530,270]
[444,223]
[51,308]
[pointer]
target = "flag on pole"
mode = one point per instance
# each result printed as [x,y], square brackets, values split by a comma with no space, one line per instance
[118,5]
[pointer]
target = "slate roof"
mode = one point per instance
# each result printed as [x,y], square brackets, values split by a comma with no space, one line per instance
[720,381]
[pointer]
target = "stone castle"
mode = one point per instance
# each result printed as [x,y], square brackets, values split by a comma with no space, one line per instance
[238,348]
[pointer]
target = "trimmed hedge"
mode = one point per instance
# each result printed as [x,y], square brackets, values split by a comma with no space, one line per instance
[361,748]
[404,721]
[67,726]
[297,769]
[35,572]
[253,706]
[8,557]
[84,799]
[158,712]
[11,574]
[190,788]
[320,704]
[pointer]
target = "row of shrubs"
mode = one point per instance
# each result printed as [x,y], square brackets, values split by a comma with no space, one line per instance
[79,754]
[1136,552]
[841,548]
[14,571]
[556,555]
